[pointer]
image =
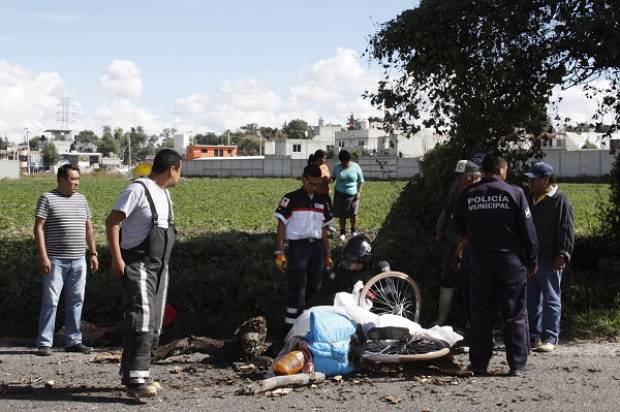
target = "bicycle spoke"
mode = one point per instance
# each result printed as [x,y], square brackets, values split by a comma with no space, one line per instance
[392,294]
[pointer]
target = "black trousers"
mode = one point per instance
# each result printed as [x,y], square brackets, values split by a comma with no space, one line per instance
[144,296]
[306,263]
[145,288]
[494,275]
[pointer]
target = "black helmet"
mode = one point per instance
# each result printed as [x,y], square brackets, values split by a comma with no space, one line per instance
[357,250]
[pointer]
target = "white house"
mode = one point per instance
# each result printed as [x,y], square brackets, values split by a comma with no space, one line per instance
[373,139]
[181,141]
[324,138]
[295,148]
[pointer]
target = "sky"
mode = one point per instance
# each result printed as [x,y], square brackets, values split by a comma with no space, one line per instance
[193,65]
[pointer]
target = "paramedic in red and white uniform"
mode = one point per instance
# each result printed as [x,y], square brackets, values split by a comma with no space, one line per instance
[303,220]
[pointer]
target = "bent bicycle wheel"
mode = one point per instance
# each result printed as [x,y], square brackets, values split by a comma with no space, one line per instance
[412,350]
[393,293]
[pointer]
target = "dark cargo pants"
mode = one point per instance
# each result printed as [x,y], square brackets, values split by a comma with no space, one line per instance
[492,275]
[306,264]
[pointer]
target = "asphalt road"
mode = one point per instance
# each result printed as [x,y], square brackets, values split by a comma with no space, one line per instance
[578,376]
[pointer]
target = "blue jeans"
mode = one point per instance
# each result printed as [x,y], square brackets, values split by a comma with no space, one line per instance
[70,273]
[544,306]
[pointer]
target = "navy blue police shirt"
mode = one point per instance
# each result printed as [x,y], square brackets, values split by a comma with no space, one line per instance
[303,215]
[495,217]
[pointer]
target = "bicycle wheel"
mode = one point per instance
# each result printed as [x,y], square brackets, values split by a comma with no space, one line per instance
[411,350]
[392,293]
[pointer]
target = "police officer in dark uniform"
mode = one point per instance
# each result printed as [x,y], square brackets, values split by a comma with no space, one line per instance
[358,263]
[303,220]
[494,218]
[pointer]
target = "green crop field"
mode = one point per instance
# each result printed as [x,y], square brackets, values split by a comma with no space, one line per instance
[201,205]
[240,204]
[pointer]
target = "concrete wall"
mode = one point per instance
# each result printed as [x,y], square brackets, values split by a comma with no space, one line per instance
[375,167]
[575,163]
[565,164]
[9,169]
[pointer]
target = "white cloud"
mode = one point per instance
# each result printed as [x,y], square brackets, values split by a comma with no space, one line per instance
[121,113]
[333,87]
[575,105]
[330,88]
[27,99]
[232,105]
[121,79]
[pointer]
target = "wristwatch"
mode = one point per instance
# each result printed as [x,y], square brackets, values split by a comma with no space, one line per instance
[92,253]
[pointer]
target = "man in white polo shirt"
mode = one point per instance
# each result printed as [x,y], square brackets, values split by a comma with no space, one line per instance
[140,258]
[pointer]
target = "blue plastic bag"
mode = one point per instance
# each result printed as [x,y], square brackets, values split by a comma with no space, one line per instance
[328,340]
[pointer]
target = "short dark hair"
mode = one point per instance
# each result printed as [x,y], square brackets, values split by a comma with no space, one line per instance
[344,156]
[63,171]
[312,170]
[492,162]
[165,159]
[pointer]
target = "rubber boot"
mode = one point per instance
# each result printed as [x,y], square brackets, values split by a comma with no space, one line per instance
[445,301]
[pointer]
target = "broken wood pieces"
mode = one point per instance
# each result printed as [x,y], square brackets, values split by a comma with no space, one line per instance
[270,384]
[107,357]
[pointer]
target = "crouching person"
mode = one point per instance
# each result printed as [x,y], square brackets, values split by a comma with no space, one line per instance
[140,258]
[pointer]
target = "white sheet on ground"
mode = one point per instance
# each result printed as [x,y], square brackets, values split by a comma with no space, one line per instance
[346,304]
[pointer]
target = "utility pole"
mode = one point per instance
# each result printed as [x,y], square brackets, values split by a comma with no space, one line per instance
[306,136]
[260,142]
[27,133]
[129,145]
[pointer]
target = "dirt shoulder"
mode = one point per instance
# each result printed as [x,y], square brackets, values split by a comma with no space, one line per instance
[578,376]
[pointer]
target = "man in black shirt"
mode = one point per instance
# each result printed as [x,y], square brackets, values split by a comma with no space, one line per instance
[553,219]
[494,218]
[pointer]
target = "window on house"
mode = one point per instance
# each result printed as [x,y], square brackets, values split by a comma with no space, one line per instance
[229,151]
[360,143]
[296,148]
[204,150]
[341,143]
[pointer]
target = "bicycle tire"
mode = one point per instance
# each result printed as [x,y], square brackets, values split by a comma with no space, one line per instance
[412,350]
[375,285]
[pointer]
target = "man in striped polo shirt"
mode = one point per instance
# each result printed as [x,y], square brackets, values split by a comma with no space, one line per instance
[62,229]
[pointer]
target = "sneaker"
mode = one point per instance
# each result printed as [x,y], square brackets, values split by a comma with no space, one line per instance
[44,351]
[141,390]
[354,233]
[546,347]
[79,348]
[342,237]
